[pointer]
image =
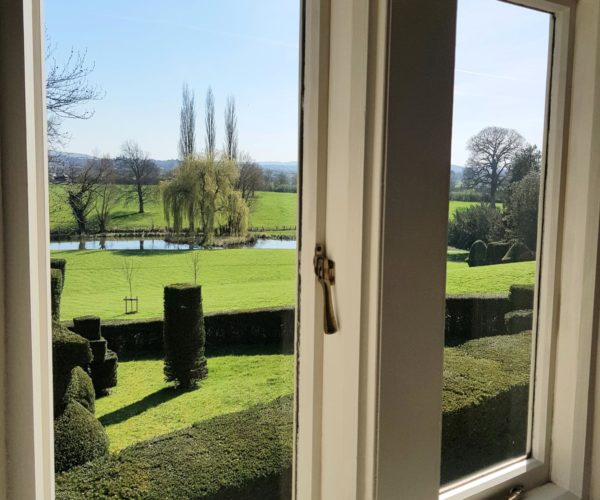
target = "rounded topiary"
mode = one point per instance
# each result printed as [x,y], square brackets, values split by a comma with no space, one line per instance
[518,252]
[61,265]
[477,254]
[495,251]
[81,389]
[88,327]
[183,335]
[56,286]
[78,437]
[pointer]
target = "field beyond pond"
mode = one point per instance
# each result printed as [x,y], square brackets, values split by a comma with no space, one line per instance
[235,279]
[268,211]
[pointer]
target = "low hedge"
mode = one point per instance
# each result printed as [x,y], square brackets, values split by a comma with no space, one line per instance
[224,331]
[496,251]
[236,456]
[485,403]
[474,316]
[521,297]
[519,321]
[78,437]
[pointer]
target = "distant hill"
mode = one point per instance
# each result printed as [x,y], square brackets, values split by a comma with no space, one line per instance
[290,167]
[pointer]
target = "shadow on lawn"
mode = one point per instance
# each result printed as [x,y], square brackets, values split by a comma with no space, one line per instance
[150,401]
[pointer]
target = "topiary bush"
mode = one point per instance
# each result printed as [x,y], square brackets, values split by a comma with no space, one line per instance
[88,327]
[478,222]
[518,252]
[56,286]
[496,251]
[78,437]
[183,335]
[521,296]
[81,389]
[61,265]
[104,373]
[477,254]
[519,321]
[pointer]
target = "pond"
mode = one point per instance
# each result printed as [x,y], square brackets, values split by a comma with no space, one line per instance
[159,244]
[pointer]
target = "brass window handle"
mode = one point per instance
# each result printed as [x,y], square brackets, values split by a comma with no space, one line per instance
[325,271]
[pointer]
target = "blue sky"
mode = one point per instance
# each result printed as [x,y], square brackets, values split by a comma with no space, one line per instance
[144,50]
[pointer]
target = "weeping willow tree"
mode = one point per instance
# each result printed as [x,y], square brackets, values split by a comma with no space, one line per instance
[201,192]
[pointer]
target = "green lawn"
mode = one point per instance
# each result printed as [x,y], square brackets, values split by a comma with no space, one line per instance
[143,405]
[231,280]
[234,279]
[271,210]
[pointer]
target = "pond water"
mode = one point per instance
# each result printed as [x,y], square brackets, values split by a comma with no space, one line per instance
[158,244]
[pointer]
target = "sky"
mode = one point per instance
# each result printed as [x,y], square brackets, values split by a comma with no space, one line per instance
[143,51]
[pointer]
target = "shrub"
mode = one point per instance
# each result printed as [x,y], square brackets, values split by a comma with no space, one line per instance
[56,286]
[518,252]
[81,389]
[61,265]
[98,348]
[519,321]
[88,327]
[68,351]
[474,316]
[521,209]
[78,437]
[496,251]
[477,254]
[521,296]
[235,457]
[479,222]
[104,373]
[183,335]
[466,195]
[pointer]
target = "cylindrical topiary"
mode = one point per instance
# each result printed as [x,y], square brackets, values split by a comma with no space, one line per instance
[98,348]
[56,286]
[183,335]
[61,265]
[104,373]
[78,437]
[88,327]
[477,254]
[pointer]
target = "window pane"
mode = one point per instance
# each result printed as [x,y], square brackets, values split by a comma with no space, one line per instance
[498,138]
[173,139]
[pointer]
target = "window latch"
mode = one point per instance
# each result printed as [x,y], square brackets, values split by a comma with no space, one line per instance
[325,271]
[516,493]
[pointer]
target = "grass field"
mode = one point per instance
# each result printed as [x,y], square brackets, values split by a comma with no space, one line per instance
[143,405]
[234,279]
[268,210]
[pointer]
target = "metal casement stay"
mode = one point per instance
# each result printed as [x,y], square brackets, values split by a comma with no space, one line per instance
[325,272]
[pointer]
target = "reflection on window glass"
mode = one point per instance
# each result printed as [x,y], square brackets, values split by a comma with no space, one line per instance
[172,131]
[499,109]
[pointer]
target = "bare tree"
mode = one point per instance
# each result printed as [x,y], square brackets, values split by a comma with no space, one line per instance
[80,192]
[210,142]
[144,171]
[67,92]
[194,260]
[106,193]
[231,133]
[187,124]
[492,152]
[128,271]
[250,179]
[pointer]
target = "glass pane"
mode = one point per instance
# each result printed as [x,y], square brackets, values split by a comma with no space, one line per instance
[173,139]
[498,137]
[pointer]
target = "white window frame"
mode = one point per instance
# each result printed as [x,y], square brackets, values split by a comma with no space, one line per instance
[344,447]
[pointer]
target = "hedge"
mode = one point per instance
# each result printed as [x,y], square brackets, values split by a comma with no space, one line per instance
[485,403]
[519,321]
[104,373]
[521,297]
[183,335]
[236,456]
[56,286]
[88,327]
[61,265]
[474,316]
[78,437]
[272,328]
[249,454]
[496,251]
